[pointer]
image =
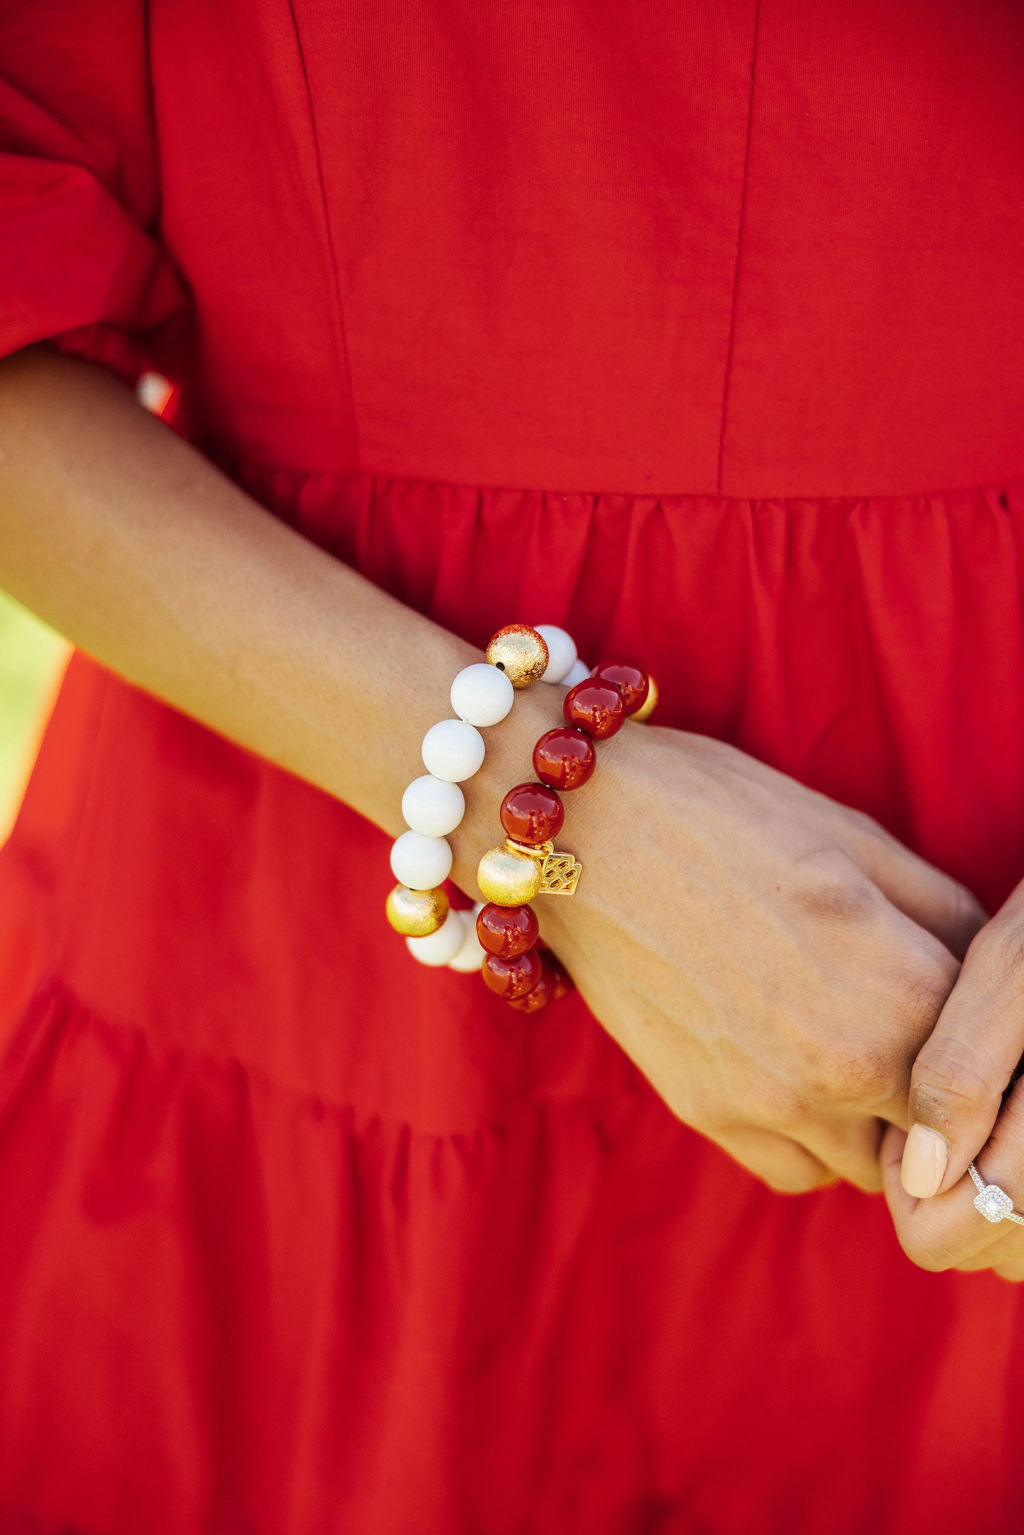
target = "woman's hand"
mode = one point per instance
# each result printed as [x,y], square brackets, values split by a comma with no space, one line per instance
[957,1114]
[772,961]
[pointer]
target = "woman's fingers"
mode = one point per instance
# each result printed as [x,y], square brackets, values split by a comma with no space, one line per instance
[936,1234]
[849,1148]
[1001,1161]
[958,1114]
[776,1160]
[830,1152]
[965,1065]
[930,898]
[948,1231]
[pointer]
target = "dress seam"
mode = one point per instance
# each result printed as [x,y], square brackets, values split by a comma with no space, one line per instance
[998,487]
[727,380]
[344,360]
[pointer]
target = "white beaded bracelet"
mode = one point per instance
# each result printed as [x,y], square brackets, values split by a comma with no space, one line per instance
[433,805]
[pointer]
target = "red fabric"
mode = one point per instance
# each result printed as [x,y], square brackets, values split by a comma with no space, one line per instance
[695,328]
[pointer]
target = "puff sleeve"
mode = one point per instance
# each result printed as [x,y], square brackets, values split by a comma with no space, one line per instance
[81,262]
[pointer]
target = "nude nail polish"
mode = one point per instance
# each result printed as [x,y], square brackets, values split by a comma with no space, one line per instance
[925,1157]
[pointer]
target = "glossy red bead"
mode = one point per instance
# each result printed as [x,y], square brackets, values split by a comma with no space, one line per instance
[554,984]
[507,930]
[512,978]
[632,682]
[557,976]
[536,999]
[532,813]
[596,707]
[564,758]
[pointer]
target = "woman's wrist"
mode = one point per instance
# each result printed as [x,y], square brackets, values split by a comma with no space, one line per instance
[594,813]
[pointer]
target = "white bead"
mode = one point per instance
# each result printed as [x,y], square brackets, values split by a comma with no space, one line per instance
[578,672]
[441,947]
[420,862]
[482,695]
[433,807]
[453,750]
[561,652]
[472,953]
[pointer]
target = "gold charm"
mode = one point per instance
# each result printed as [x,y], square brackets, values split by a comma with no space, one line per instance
[559,871]
[560,874]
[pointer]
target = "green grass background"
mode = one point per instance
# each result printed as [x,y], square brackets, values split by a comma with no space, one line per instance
[31,661]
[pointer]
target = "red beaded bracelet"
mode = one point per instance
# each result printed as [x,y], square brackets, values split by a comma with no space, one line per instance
[532,815]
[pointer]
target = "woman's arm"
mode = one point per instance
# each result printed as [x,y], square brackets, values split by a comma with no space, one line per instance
[768,958]
[131,543]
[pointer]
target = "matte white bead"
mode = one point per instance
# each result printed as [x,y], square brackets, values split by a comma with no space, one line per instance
[482,695]
[433,807]
[420,862]
[561,652]
[440,948]
[452,750]
[471,955]
[579,671]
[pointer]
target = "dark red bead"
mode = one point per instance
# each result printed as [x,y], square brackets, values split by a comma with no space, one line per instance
[555,982]
[596,707]
[564,758]
[512,978]
[507,930]
[632,682]
[557,976]
[534,1000]
[532,813]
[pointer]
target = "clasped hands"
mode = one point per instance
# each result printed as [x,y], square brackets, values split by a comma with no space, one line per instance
[801,988]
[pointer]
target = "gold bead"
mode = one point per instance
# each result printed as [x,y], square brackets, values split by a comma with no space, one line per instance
[520,653]
[416,912]
[649,704]
[508,879]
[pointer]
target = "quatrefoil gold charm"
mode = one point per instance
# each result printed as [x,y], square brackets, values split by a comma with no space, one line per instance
[559,871]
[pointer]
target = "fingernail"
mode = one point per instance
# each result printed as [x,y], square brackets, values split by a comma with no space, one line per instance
[924,1161]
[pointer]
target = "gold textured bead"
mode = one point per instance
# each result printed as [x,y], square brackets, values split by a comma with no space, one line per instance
[649,704]
[520,652]
[508,879]
[416,913]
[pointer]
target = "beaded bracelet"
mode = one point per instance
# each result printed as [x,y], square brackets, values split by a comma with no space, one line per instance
[434,804]
[532,815]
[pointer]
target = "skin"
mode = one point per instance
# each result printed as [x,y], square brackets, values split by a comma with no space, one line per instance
[771,960]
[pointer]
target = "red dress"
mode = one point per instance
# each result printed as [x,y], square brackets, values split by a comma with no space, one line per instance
[698,329]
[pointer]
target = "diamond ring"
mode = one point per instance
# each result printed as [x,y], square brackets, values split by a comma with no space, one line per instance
[991,1202]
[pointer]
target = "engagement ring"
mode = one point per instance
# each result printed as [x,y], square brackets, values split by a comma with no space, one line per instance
[992,1202]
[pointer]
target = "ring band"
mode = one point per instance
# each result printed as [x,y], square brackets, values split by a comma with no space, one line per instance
[992,1202]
